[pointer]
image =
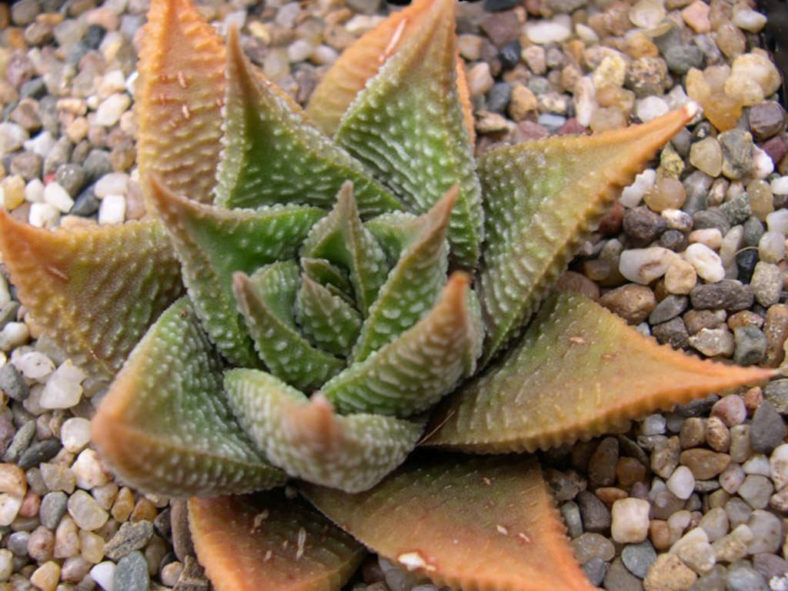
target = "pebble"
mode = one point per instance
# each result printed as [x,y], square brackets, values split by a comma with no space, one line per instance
[727,294]
[112,210]
[778,462]
[767,532]
[744,578]
[733,546]
[756,490]
[680,277]
[39,452]
[644,265]
[89,471]
[713,342]
[75,434]
[634,303]
[750,345]
[771,247]
[592,545]
[85,511]
[695,551]
[12,383]
[776,392]
[706,262]
[681,483]
[668,573]
[715,523]
[130,537]
[12,136]
[103,574]
[768,428]
[704,464]
[544,32]
[753,77]
[596,517]
[632,194]
[737,153]
[111,108]
[46,576]
[53,507]
[630,521]
[63,389]
[730,409]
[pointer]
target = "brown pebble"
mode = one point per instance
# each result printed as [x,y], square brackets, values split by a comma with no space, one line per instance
[632,302]
[629,471]
[730,409]
[572,281]
[776,331]
[610,494]
[30,504]
[744,318]
[704,463]
[693,432]
[659,534]
[143,510]
[753,398]
[717,435]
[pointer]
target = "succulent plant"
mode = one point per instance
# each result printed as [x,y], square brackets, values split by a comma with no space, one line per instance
[311,285]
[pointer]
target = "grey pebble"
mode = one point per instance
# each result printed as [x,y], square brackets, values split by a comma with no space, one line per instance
[17,542]
[12,383]
[27,165]
[592,545]
[21,440]
[767,119]
[674,240]
[776,392]
[58,155]
[25,11]
[602,464]
[673,332]
[181,536]
[8,312]
[71,177]
[737,150]
[618,578]
[40,451]
[596,516]
[192,577]
[681,58]
[743,578]
[697,186]
[638,558]
[770,565]
[756,490]
[131,573]
[753,230]
[595,570]
[571,515]
[727,294]
[53,507]
[767,283]
[86,204]
[738,209]
[713,217]
[713,581]
[131,536]
[668,308]
[97,164]
[738,512]
[768,428]
[750,345]
[499,96]
[643,225]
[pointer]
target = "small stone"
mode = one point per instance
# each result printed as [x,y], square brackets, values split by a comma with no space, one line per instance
[39,452]
[643,225]
[673,332]
[619,578]
[733,546]
[634,303]
[593,545]
[768,428]
[646,264]
[706,262]
[737,209]
[680,276]
[9,508]
[668,193]
[695,551]
[630,520]
[75,434]
[111,108]
[779,466]
[767,119]
[704,463]
[730,409]
[753,77]
[46,576]
[767,532]
[53,507]
[596,517]
[89,470]
[103,574]
[767,283]
[86,512]
[771,248]
[638,558]
[63,388]
[715,523]
[130,537]
[544,32]
[744,578]
[713,342]
[727,294]
[756,490]
[480,81]
[693,433]
[668,573]
[665,456]
[681,483]
[594,570]
[112,210]
[12,136]
[58,477]
[740,448]
[12,383]
[522,102]
[643,183]
[570,513]
[750,343]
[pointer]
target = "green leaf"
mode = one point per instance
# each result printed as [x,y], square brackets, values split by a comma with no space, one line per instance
[165,426]
[270,541]
[95,290]
[579,371]
[407,126]
[306,439]
[323,272]
[341,239]
[213,243]
[273,155]
[487,524]
[267,301]
[542,199]
[414,284]
[413,372]
[327,319]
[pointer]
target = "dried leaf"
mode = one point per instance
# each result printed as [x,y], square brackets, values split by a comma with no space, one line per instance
[179,99]
[542,199]
[213,243]
[418,142]
[482,524]
[273,155]
[308,440]
[95,290]
[270,541]
[579,371]
[266,301]
[413,372]
[165,426]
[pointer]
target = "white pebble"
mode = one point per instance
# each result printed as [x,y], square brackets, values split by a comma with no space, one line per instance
[43,215]
[114,183]
[634,193]
[682,482]
[34,365]
[585,100]
[75,434]
[111,108]
[771,247]
[747,19]
[732,478]
[5,294]
[9,508]
[102,574]
[112,82]
[13,335]
[63,389]
[299,50]
[707,263]
[324,55]
[762,164]
[58,197]
[730,245]
[12,136]
[41,144]
[715,523]
[544,32]
[677,219]
[757,464]
[779,185]
[680,277]
[644,265]
[34,191]
[112,210]
[777,221]
[779,466]
[6,564]
[630,520]
[711,237]
[85,511]
[89,470]
[767,530]
[650,108]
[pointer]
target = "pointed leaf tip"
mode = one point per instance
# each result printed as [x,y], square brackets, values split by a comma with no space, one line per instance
[270,541]
[435,513]
[577,372]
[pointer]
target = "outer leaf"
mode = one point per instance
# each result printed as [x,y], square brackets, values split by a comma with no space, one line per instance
[213,243]
[413,285]
[480,524]
[542,199]
[407,127]
[327,319]
[341,239]
[309,441]
[412,373]
[271,541]
[179,99]
[578,372]
[94,289]
[362,60]
[266,302]
[273,155]
[165,426]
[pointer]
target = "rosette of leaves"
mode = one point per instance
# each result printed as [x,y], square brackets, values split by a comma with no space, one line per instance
[310,286]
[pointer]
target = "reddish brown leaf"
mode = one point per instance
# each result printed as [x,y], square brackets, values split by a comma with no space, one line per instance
[579,371]
[478,524]
[179,99]
[270,542]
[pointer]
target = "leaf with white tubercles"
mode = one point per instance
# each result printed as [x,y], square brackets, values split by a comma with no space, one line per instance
[94,289]
[579,371]
[343,240]
[542,199]
[325,318]
[407,126]
[267,301]
[308,440]
[165,426]
[273,155]
[329,276]
[413,285]
[213,243]
[413,372]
